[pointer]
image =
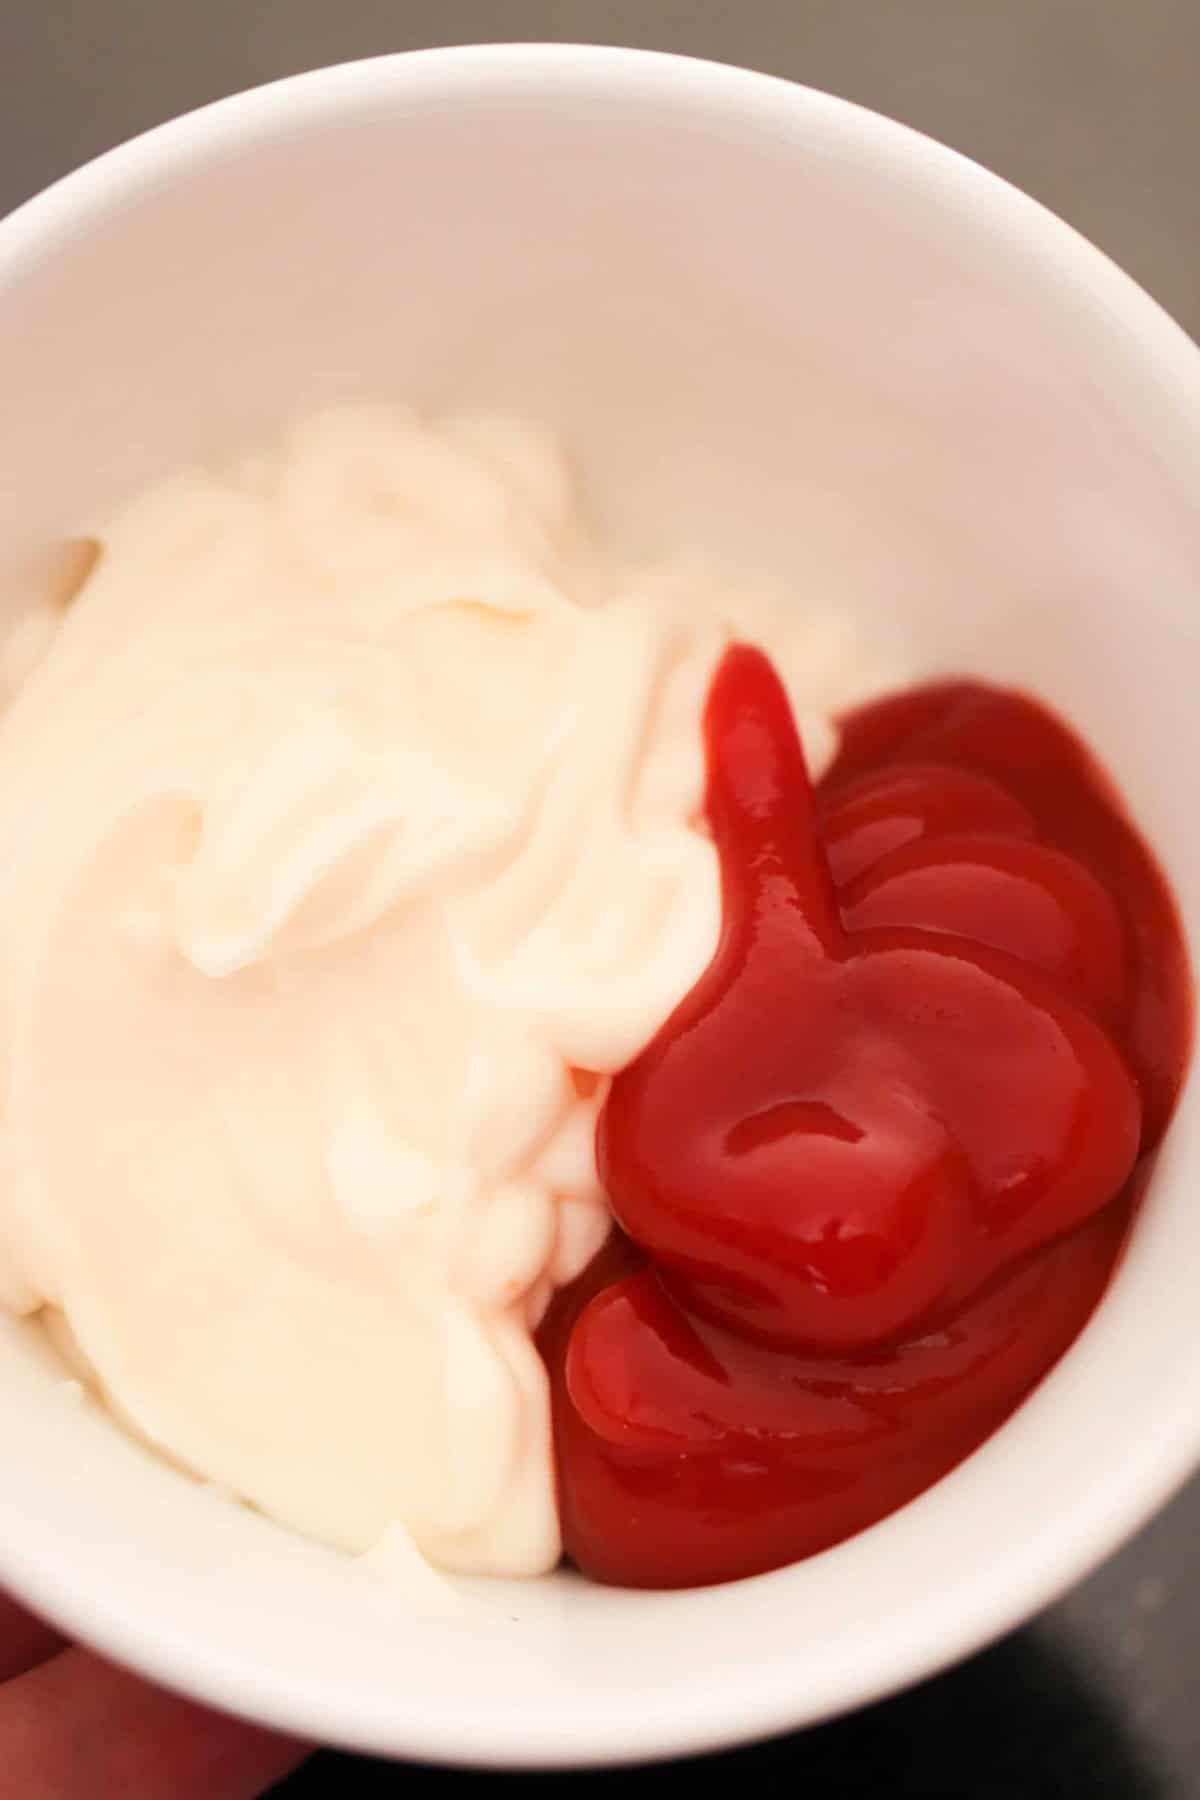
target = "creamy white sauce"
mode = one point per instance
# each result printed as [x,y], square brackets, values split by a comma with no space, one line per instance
[349,831]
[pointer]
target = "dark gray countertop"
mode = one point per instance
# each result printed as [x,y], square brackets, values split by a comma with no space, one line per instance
[1091,105]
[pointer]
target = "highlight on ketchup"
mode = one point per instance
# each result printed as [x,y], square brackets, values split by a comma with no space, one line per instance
[873,1174]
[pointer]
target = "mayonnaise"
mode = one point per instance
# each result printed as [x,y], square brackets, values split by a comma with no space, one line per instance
[349,837]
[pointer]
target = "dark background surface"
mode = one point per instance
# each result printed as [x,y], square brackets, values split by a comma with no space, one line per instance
[1094,107]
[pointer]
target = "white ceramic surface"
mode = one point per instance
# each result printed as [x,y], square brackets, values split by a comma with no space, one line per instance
[787,329]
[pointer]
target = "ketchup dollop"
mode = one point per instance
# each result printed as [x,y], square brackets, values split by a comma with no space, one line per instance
[873,1173]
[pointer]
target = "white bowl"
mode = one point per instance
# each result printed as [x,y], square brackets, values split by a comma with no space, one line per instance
[781,327]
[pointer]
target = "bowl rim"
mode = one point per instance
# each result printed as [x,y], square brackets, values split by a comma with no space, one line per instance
[1044,1562]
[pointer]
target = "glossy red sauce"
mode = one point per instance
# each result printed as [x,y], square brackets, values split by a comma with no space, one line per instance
[873,1173]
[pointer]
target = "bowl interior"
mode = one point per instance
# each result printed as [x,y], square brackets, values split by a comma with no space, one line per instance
[779,329]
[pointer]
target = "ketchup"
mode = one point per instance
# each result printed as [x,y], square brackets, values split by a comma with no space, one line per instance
[873,1173]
